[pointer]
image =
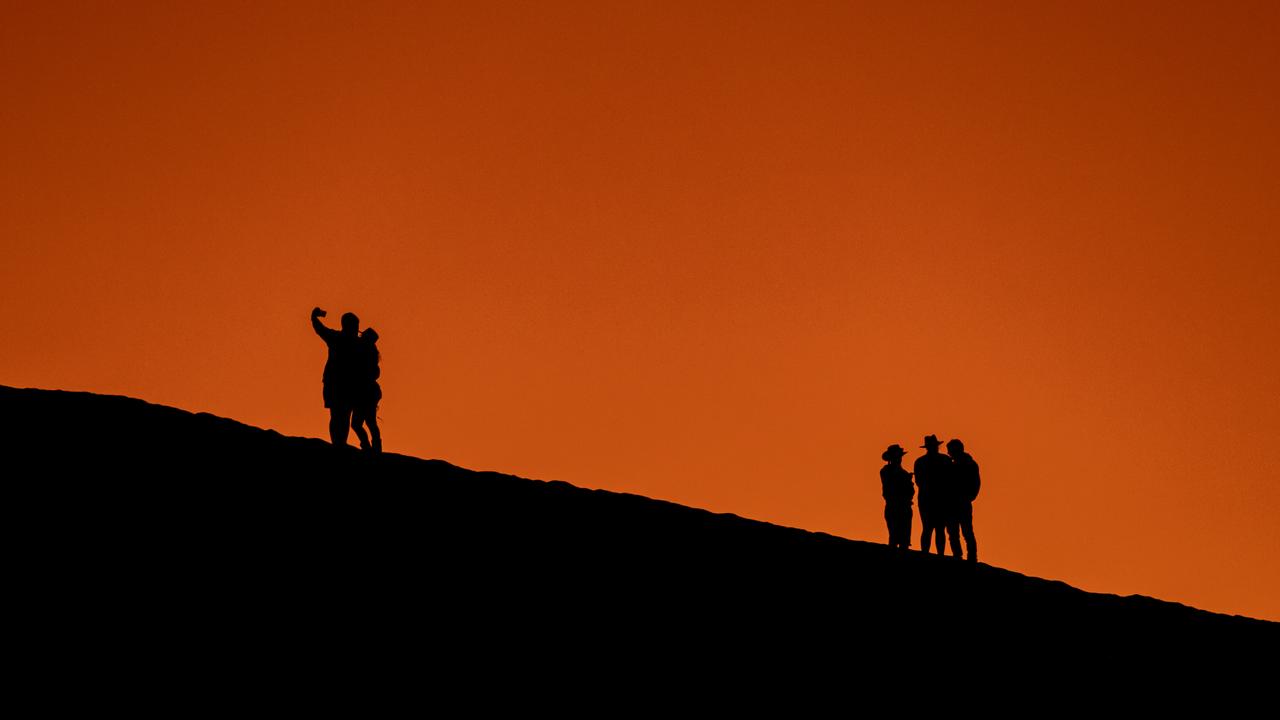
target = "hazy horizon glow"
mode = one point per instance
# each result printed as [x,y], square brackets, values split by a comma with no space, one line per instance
[721,255]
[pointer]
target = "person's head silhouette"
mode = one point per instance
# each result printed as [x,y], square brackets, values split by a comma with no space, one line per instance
[954,446]
[893,454]
[350,324]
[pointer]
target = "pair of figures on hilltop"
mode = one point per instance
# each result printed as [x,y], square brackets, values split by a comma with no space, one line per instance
[351,389]
[948,486]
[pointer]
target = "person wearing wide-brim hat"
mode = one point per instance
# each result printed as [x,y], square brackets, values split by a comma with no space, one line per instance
[898,491]
[933,477]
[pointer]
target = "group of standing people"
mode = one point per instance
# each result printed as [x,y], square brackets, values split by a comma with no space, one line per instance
[948,485]
[351,390]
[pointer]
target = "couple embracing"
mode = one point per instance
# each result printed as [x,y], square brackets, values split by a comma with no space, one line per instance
[351,390]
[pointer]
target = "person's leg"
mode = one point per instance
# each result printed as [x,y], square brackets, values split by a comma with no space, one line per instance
[970,540]
[374,433]
[953,532]
[339,418]
[938,531]
[357,424]
[888,523]
[899,530]
[926,532]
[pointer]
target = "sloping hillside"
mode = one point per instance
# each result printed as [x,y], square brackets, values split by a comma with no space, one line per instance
[148,524]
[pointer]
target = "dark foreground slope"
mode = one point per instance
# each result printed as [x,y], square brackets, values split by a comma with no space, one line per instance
[186,535]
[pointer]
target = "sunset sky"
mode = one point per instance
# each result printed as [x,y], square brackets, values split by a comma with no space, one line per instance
[715,253]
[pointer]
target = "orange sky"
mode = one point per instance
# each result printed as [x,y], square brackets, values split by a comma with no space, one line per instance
[720,255]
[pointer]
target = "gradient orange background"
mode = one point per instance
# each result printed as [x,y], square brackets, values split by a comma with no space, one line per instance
[721,255]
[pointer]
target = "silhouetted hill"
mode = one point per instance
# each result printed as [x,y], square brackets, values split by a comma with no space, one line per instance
[146,526]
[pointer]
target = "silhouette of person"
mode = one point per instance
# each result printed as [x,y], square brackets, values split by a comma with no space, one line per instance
[933,477]
[339,371]
[965,483]
[895,484]
[367,392]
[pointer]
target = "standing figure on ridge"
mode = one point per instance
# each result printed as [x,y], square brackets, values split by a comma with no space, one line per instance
[965,485]
[339,371]
[895,483]
[933,477]
[367,392]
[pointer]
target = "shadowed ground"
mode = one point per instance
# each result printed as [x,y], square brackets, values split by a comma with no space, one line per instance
[176,535]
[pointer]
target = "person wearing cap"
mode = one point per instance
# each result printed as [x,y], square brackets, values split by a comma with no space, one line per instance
[933,477]
[898,491]
[965,483]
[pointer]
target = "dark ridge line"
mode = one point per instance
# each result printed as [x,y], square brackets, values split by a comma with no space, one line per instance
[449,472]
